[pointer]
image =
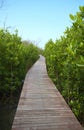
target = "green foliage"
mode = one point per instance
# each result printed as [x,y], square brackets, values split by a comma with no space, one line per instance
[16,58]
[65,63]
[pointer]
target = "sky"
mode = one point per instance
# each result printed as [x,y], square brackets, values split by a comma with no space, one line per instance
[38,20]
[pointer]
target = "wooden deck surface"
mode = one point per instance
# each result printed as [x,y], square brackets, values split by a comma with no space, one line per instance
[41,106]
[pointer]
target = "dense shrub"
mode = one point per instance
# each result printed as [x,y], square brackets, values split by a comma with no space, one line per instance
[65,63]
[16,58]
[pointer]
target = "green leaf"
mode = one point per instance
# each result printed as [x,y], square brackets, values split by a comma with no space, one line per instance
[72,17]
[79,65]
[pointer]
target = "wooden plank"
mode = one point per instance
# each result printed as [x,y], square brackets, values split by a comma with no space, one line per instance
[41,106]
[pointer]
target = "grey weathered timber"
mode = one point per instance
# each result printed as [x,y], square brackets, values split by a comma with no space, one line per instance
[41,106]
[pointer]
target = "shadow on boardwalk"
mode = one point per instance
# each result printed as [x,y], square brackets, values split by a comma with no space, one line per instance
[41,106]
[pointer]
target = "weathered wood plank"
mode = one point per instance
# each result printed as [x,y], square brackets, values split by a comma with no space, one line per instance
[41,106]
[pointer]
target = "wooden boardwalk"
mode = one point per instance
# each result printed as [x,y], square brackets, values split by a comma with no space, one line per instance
[41,106]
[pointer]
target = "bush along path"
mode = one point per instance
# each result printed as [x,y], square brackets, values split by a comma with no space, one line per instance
[65,63]
[16,57]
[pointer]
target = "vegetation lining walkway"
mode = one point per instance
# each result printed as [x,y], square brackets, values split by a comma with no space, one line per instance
[41,106]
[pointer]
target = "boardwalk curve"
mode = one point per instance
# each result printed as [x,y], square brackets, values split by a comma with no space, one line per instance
[41,106]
